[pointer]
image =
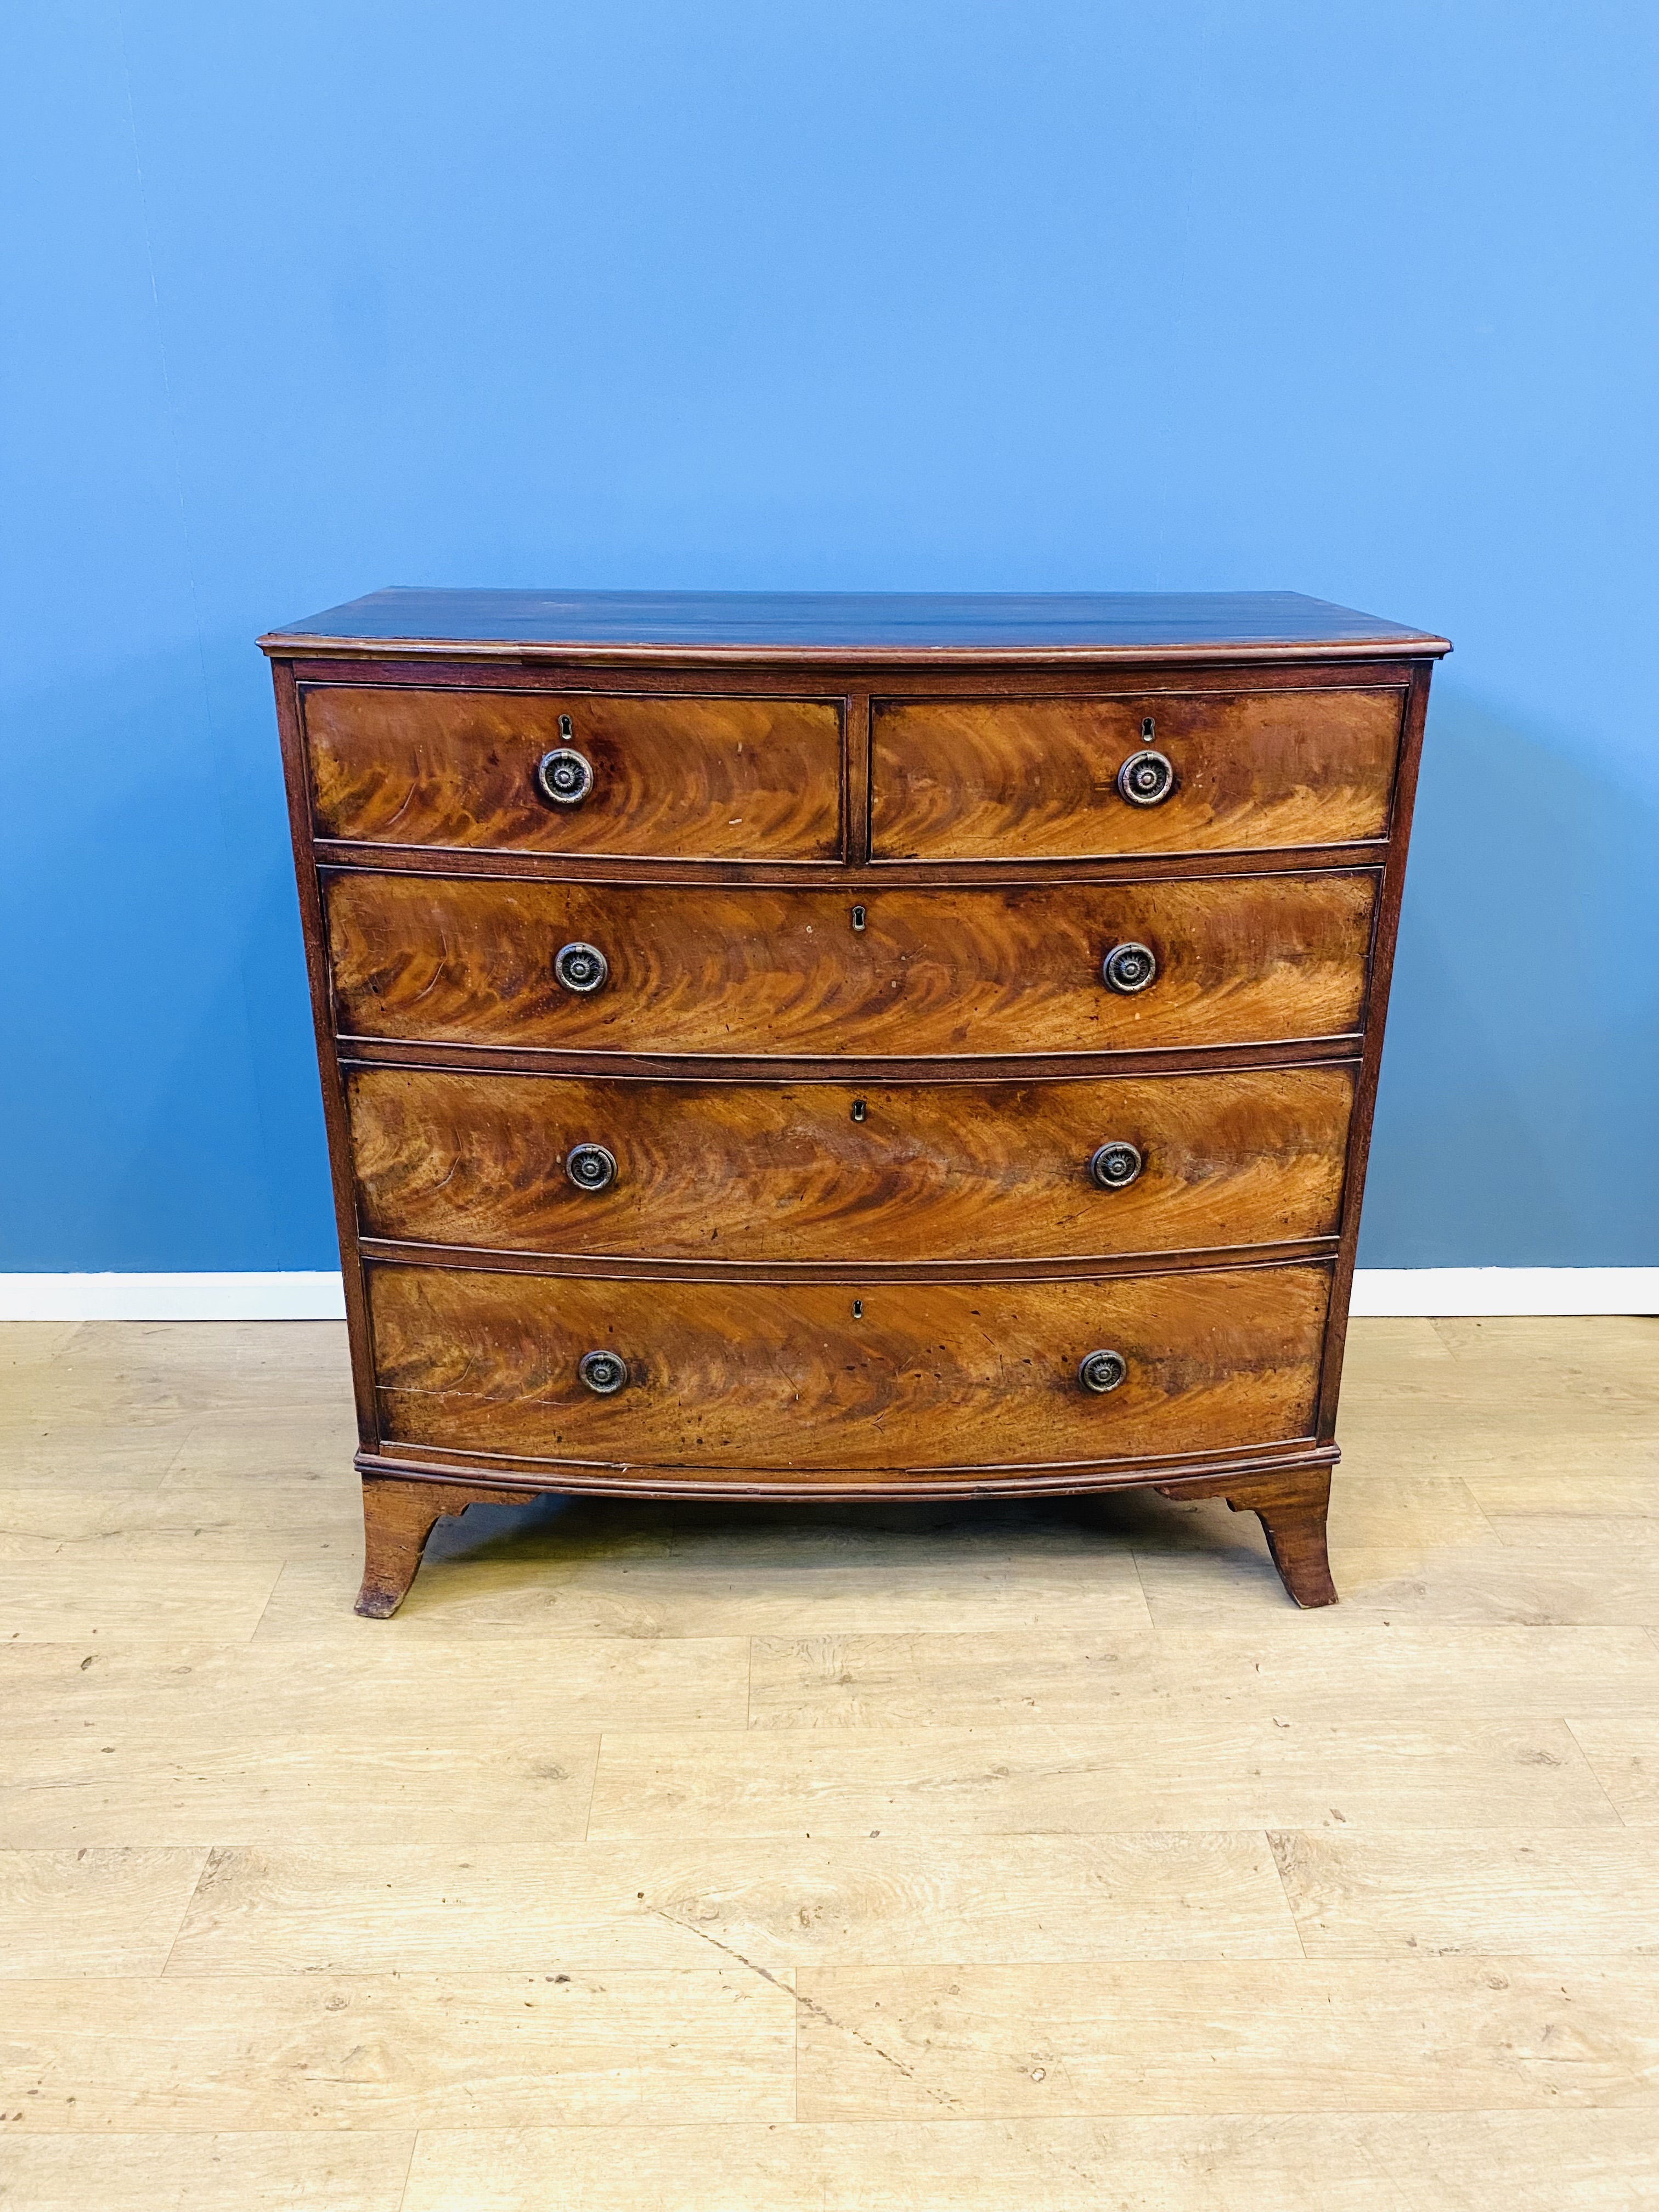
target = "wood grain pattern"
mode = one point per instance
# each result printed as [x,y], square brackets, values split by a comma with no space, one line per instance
[1240,960]
[147,2169]
[999,1678]
[931,1376]
[348,1783]
[92,1912]
[1570,1893]
[1180,2035]
[755,1172]
[1599,2159]
[1037,779]
[376,2051]
[778,1902]
[1146,1769]
[706,778]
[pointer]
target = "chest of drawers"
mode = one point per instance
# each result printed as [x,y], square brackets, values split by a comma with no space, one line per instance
[819,1046]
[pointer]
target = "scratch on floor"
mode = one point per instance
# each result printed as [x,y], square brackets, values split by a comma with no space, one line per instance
[805,2004]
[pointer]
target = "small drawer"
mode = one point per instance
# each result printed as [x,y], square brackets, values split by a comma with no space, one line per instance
[825,1171]
[1076,778]
[684,969]
[543,772]
[902,1378]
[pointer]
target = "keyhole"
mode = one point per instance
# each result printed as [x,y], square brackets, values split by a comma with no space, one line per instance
[858,917]
[564,725]
[1148,727]
[858,1309]
[858,1110]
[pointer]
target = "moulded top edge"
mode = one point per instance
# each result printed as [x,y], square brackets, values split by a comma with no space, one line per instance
[884,627]
[292,645]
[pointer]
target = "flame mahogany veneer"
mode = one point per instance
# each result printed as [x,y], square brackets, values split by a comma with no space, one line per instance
[833,1185]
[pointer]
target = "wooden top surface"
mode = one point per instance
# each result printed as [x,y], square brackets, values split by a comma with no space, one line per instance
[850,626]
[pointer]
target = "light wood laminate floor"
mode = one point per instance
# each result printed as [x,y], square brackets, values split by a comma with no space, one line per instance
[943,1860]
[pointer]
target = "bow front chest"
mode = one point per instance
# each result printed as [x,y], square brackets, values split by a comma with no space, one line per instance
[837,1047]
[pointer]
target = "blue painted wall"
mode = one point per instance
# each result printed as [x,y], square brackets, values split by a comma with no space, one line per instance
[307,299]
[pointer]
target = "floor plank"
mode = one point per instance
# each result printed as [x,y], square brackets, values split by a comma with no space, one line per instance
[1525,1583]
[276,1521]
[1623,1750]
[1435,1892]
[775,1902]
[322,2170]
[1241,1774]
[81,1592]
[186,1787]
[1508,2161]
[1180,2037]
[359,2051]
[92,1912]
[1338,1664]
[380,1686]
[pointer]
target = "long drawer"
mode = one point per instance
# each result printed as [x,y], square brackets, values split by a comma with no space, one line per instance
[827,1172]
[795,1380]
[1049,779]
[682,778]
[480,961]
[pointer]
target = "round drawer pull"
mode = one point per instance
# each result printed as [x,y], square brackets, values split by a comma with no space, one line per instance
[1115,1165]
[606,1372]
[1128,968]
[1146,779]
[583,968]
[591,1167]
[564,777]
[1101,1371]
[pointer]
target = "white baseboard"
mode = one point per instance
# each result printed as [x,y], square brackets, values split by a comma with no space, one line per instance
[1380,1292]
[1400,1292]
[288,1297]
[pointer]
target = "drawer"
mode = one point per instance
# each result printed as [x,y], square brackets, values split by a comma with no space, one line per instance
[724,1377]
[823,1171]
[688,779]
[980,779]
[472,961]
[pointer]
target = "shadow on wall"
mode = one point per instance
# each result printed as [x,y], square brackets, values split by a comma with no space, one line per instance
[1515,1121]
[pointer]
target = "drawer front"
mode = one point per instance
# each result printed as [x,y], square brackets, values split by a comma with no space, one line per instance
[972,779]
[822,1171]
[732,1377]
[1240,960]
[692,778]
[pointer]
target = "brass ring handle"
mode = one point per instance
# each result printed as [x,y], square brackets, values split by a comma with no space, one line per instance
[580,967]
[1101,1371]
[564,777]
[1128,968]
[1115,1165]
[591,1167]
[1147,778]
[603,1372]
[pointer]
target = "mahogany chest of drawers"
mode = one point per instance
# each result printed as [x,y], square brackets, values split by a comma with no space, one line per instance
[831,1047]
